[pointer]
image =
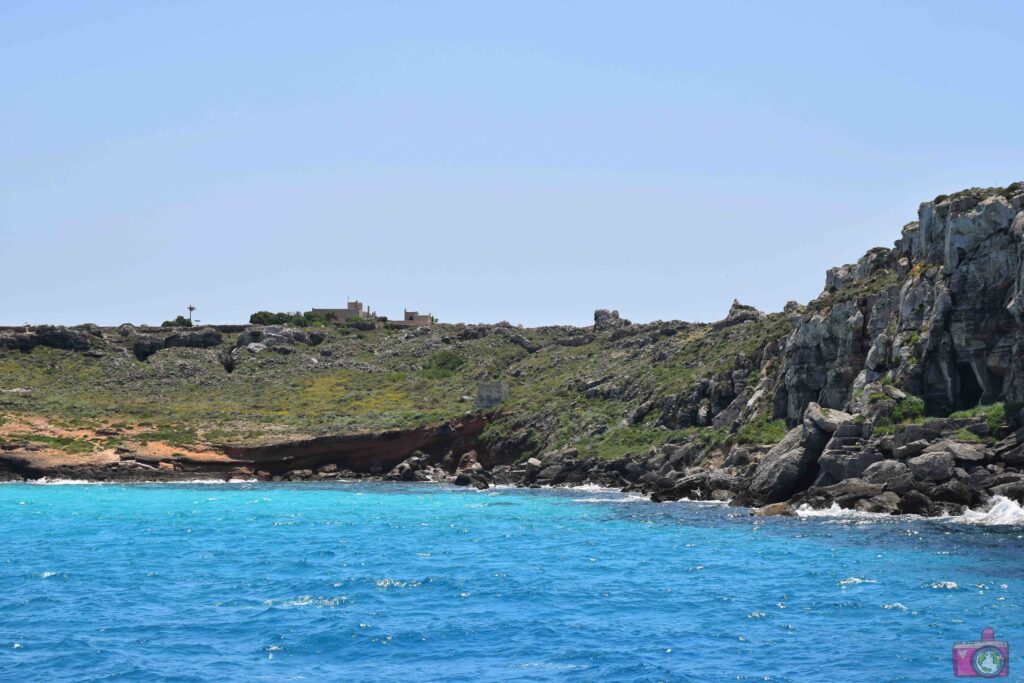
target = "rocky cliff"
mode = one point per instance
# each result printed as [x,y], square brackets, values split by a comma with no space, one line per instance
[869,375]
[897,389]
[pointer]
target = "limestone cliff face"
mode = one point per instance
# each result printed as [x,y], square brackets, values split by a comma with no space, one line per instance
[940,314]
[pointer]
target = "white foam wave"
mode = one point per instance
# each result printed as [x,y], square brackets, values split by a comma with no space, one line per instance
[702,502]
[836,512]
[591,488]
[620,498]
[308,600]
[1002,512]
[854,581]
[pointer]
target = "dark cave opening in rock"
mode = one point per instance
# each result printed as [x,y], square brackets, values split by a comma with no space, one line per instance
[970,389]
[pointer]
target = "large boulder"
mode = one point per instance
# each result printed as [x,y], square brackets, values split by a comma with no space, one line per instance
[887,503]
[607,320]
[950,491]
[891,474]
[532,468]
[966,454]
[980,479]
[911,449]
[687,486]
[933,467]
[1012,490]
[837,465]
[469,462]
[783,469]
[825,419]
[914,503]
[474,479]
[549,474]
[773,510]
[408,468]
[197,339]
[739,313]
[845,494]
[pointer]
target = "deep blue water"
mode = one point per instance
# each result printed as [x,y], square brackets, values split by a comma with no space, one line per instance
[377,582]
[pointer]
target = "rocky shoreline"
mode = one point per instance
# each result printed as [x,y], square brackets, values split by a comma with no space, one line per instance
[898,390]
[830,459]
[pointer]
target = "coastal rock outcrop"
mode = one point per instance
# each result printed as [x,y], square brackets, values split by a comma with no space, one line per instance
[898,389]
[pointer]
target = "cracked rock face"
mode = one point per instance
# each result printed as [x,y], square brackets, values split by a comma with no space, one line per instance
[941,313]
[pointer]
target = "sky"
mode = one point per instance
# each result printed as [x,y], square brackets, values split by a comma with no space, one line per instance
[482,161]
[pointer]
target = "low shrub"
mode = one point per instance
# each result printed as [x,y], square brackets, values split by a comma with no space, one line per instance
[910,409]
[443,364]
[762,430]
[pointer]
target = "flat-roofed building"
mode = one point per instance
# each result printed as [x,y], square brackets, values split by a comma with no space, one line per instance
[413,319]
[354,309]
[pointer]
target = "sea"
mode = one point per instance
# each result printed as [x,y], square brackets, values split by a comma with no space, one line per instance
[356,581]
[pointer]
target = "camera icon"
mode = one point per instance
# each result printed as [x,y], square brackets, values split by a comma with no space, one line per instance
[985,658]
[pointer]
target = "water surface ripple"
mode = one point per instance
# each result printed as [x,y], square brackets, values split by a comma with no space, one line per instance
[380,582]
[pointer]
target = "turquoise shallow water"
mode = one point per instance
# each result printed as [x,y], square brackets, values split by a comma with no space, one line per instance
[378,582]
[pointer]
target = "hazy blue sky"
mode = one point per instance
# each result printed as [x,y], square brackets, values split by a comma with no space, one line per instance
[481,160]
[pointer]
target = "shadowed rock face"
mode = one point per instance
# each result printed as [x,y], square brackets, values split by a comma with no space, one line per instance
[941,312]
[355,454]
[366,453]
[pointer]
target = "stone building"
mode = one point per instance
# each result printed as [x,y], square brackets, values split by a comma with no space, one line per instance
[413,319]
[354,309]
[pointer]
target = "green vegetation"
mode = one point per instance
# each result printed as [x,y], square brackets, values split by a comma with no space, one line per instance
[618,441]
[64,443]
[875,283]
[909,410]
[443,364]
[375,379]
[172,435]
[965,436]
[180,321]
[306,319]
[762,430]
[885,428]
[994,414]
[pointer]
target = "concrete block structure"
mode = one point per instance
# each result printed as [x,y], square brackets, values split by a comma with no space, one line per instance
[491,393]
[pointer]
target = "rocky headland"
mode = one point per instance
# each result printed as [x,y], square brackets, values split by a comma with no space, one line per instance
[897,390]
